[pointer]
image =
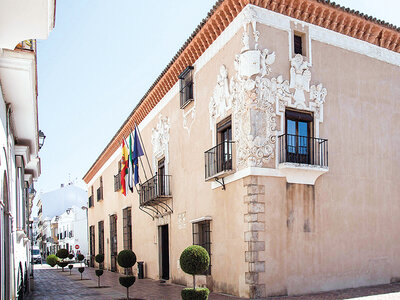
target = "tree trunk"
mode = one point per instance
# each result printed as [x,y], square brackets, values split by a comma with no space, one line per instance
[81,276]
[98,282]
[194,282]
[127,293]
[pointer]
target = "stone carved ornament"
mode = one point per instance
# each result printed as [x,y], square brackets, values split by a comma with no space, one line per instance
[255,99]
[160,140]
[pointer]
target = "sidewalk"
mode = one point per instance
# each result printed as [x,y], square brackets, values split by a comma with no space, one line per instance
[50,283]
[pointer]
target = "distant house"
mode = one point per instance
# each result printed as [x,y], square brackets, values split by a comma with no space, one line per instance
[236,131]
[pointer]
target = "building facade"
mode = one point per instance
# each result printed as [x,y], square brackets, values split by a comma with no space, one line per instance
[19,136]
[236,132]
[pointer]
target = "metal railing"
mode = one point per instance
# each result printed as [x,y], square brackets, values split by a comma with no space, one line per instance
[303,150]
[219,159]
[156,187]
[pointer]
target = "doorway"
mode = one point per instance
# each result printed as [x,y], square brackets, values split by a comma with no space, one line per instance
[163,251]
[113,242]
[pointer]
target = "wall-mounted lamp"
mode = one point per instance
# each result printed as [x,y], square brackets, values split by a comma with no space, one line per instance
[42,137]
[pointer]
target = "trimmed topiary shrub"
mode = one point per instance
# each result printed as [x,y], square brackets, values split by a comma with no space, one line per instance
[80,270]
[126,259]
[62,264]
[62,253]
[98,274]
[197,294]
[71,256]
[70,268]
[99,258]
[52,260]
[194,260]
[80,257]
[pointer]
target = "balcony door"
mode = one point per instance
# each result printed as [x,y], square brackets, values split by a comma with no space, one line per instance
[298,136]
[113,242]
[224,148]
[161,177]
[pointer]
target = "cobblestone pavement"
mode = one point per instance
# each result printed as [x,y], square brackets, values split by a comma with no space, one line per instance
[51,283]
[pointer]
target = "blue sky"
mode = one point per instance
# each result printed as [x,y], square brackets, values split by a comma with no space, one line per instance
[100,60]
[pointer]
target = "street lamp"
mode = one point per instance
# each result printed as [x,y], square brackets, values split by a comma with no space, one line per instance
[42,137]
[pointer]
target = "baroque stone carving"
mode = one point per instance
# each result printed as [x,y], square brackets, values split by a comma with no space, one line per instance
[160,140]
[300,77]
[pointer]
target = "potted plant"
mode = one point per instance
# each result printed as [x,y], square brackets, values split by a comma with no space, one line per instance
[194,260]
[126,259]
[99,258]
[80,258]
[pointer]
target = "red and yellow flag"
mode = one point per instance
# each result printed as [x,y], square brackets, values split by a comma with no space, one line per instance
[124,165]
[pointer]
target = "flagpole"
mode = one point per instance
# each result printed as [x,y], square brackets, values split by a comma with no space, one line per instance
[140,159]
[144,149]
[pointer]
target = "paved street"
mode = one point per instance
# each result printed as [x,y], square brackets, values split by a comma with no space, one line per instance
[50,283]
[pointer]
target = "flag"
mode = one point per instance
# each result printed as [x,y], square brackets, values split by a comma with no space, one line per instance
[137,152]
[124,164]
[130,164]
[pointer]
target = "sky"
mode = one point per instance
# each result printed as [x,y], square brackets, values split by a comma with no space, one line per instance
[98,62]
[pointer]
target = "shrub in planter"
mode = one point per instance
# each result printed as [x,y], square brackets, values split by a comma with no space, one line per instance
[80,270]
[70,268]
[194,260]
[51,260]
[98,274]
[197,294]
[126,259]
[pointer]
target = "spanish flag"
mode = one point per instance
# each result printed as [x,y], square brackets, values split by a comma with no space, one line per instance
[124,164]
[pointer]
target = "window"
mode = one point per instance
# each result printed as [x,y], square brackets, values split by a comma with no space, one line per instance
[127,228]
[91,201]
[201,236]
[186,86]
[224,139]
[100,190]
[298,44]
[161,177]
[117,178]
[298,136]
[101,240]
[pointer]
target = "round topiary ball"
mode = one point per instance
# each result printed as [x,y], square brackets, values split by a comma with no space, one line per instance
[52,260]
[62,264]
[98,272]
[127,281]
[197,294]
[70,267]
[80,257]
[126,258]
[194,260]
[62,253]
[99,258]
[81,269]
[70,256]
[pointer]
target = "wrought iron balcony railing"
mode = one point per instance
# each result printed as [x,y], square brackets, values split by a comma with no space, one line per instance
[303,150]
[156,188]
[219,160]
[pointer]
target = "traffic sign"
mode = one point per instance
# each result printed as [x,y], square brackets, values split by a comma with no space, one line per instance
[76,247]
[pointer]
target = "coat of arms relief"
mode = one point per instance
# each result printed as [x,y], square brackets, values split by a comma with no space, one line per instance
[255,100]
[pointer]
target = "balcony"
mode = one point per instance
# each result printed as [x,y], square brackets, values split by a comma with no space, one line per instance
[155,190]
[219,161]
[302,159]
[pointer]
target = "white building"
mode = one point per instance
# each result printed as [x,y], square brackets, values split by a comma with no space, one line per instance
[72,230]
[21,22]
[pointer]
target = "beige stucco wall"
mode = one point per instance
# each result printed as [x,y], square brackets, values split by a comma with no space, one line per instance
[341,232]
